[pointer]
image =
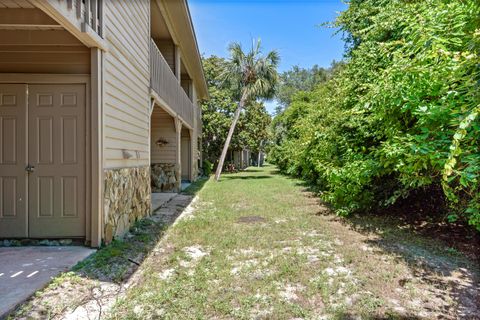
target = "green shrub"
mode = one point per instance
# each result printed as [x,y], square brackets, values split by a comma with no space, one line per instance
[401,114]
[207,168]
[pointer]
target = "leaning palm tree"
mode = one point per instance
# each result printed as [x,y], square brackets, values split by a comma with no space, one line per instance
[251,76]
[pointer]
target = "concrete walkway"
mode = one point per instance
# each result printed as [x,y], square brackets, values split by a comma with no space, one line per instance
[160,199]
[24,270]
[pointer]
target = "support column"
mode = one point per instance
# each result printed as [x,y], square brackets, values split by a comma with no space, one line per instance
[194,133]
[178,154]
[178,63]
[96,179]
[190,89]
[241,160]
[193,156]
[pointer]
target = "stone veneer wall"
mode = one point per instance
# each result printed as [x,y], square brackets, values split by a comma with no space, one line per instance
[127,198]
[164,178]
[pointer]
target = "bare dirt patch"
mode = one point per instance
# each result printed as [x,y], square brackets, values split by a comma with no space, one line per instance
[251,219]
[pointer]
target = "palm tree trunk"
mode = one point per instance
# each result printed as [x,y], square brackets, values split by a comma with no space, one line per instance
[236,116]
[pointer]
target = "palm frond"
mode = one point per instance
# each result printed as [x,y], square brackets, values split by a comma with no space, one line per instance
[251,73]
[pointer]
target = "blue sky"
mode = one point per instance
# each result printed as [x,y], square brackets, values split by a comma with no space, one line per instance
[288,26]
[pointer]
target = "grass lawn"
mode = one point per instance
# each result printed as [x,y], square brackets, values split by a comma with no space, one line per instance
[258,246]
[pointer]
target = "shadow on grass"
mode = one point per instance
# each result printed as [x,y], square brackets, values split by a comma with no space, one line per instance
[195,187]
[253,169]
[428,259]
[390,316]
[423,245]
[235,177]
[117,261]
[278,172]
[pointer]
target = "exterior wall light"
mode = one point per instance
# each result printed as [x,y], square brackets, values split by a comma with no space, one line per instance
[161,142]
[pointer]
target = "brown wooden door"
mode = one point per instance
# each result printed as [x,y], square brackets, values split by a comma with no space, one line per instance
[56,154]
[13,189]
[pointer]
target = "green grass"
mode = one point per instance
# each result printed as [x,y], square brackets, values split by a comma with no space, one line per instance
[289,262]
[114,261]
[195,187]
[260,246]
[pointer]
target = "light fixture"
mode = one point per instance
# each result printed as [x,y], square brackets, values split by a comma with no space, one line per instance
[161,142]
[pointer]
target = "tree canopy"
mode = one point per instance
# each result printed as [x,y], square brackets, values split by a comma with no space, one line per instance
[301,79]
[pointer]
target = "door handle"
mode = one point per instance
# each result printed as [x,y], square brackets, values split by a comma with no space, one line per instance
[29,168]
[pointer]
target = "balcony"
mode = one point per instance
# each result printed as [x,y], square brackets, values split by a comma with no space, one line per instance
[90,13]
[167,87]
[83,18]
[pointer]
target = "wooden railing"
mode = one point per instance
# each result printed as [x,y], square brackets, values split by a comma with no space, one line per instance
[167,86]
[90,12]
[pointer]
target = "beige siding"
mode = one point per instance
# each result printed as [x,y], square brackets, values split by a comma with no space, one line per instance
[54,52]
[127,102]
[163,126]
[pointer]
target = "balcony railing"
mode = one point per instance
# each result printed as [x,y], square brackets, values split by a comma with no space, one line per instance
[90,12]
[82,18]
[167,86]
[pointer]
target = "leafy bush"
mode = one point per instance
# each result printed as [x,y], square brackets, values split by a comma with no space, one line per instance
[401,114]
[207,168]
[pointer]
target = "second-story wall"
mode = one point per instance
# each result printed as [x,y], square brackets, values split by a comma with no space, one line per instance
[127,83]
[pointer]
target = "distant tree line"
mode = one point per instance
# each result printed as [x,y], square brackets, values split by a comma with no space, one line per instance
[301,79]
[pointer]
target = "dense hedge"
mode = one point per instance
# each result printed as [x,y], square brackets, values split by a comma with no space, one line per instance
[400,115]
